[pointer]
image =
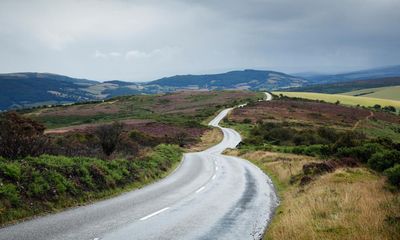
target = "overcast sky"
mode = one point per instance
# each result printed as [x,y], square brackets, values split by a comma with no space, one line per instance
[144,40]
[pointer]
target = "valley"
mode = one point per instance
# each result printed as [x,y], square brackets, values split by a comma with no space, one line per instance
[199,120]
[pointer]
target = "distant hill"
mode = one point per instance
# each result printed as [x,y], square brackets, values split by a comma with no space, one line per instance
[30,89]
[383,72]
[348,86]
[247,79]
[21,90]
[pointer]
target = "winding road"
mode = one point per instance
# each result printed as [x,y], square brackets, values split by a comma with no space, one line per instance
[209,196]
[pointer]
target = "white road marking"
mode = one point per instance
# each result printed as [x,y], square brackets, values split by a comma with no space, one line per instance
[200,189]
[153,214]
[213,177]
[96,239]
[216,168]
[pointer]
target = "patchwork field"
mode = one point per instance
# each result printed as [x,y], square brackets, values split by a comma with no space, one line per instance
[391,93]
[343,99]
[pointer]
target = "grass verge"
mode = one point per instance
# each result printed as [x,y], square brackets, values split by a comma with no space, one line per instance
[210,138]
[349,203]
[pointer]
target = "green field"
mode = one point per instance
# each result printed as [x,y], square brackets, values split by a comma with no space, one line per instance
[343,99]
[391,93]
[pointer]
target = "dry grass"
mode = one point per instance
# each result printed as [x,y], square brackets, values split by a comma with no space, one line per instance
[208,139]
[345,204]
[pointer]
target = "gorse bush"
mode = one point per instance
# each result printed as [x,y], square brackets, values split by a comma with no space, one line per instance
[36,184]
[393,175]
[381,161]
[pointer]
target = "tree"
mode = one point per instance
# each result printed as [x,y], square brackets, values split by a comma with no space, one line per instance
[109,136]
[377,106]
[20,136]
[389,109]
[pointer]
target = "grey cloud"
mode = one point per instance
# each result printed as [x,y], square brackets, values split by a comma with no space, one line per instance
[144,40]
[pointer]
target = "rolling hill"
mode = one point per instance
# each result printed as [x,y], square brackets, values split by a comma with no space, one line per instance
[374,73]
[343,99]
[21,90]
[342,87]
[392,93]
[32,89]
[247,79]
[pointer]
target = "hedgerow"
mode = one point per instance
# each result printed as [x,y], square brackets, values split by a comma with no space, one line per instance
[36,184]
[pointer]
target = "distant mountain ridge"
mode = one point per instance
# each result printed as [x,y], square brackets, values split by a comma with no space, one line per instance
[19,90]
[374,73]
[247,79]
[348,86]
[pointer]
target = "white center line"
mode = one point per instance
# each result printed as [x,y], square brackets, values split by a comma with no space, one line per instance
[153,214]
[213,177]
[216,168]
[200,189]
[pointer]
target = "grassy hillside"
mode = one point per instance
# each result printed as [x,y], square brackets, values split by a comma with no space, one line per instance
[392,93]
[343,99]
[247,79]
[178,108]
[336,168]
[348,86]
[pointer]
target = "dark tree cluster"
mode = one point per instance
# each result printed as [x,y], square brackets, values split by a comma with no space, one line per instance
[109,136]
[20,136]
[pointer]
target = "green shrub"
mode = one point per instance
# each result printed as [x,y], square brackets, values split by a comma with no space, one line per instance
[384,160]
[48,182]
[393,175]
[39,187]
[11,171]
[9,195]
[60,184]
[361,153]
[349,139]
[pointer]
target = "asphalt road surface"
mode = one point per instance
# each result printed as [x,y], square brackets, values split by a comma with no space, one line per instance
[209,196]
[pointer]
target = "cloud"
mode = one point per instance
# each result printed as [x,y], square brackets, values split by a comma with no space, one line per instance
[141,54]
[144,40]
[99,54]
